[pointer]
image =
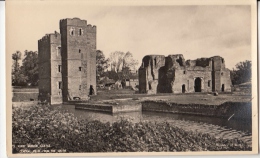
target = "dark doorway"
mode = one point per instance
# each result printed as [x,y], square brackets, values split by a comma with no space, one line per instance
[150,86]
[197,85]
[183,88]
[91,90]
[223,88]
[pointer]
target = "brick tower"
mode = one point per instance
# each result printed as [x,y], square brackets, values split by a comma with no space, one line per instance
[78,43]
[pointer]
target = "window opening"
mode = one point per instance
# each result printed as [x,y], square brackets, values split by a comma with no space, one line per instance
[58,51]
[59,68]
[80,32]
[60,85]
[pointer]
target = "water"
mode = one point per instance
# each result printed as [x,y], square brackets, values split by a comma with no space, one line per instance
[218,127]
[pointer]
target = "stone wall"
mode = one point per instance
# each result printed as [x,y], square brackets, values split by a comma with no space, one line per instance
[67,62]
[49,75]
[78,40]
[149,73]
[176,75]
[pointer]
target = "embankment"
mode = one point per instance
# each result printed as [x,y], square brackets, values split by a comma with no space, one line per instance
[237,110]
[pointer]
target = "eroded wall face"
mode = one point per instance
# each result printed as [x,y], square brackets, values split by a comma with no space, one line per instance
[221,75]
[78,42]
[44,84]
[178,76]
[149,73]
[142,80]
[225,81]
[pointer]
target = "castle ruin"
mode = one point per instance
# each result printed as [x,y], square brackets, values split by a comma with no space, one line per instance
[172,74]
[67,62]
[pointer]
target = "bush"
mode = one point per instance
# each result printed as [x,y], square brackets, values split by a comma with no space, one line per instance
[62,130]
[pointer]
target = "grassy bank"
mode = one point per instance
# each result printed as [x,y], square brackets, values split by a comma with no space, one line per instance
[49,129]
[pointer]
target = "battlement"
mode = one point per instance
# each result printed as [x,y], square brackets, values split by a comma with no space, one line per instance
[91,28]
[73,22]
[50,37]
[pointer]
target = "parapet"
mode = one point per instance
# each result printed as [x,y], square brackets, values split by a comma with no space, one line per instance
[91,28]
[52,38]
[73,22]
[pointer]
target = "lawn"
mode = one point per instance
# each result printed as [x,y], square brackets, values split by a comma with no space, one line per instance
[188,98]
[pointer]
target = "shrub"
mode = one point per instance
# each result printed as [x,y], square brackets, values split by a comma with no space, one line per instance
[38,125]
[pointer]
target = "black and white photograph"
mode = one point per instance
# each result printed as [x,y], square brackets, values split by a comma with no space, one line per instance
[124,78]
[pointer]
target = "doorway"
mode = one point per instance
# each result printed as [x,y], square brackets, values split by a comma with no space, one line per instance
[197,84]
[91,90]
[223,88]
[183,88]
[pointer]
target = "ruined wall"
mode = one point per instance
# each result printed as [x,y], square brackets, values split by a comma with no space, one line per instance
[180,76]
[78,41]
[149,73]
[220,75]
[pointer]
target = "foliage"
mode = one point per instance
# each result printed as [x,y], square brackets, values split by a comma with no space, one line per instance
[61,130]
[30,67]
[18,78]
[112,75]
[119,60]
[101,64]
[242,72]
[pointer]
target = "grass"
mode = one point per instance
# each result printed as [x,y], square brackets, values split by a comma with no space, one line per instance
[188,98]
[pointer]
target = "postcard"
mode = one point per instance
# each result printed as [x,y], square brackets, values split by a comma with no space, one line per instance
[128,78]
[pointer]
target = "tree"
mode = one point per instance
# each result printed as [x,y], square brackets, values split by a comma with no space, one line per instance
[120,60]
[30,67]
[101,64]
[18,78]
[242,72]
[129,63]
[116,60]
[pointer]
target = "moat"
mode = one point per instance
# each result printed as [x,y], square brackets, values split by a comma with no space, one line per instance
[220,127]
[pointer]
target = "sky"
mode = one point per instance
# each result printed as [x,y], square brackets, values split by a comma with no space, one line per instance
[192,30]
